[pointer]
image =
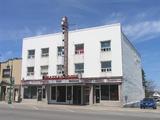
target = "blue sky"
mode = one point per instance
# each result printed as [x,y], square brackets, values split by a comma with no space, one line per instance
[140,20]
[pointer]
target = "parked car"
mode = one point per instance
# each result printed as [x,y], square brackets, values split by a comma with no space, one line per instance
[148,103]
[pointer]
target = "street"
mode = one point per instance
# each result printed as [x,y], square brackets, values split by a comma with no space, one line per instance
[11,112]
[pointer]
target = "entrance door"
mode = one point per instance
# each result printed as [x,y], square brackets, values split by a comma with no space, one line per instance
[97,96]
[76,94]
[61,93]
[39,98]
[3,93]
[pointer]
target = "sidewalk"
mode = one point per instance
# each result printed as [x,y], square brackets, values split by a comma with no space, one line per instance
[44,106]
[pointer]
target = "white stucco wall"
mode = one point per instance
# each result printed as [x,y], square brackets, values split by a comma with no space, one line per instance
[92,57]
[132,75]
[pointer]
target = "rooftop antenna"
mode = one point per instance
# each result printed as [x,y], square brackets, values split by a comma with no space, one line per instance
[64,25]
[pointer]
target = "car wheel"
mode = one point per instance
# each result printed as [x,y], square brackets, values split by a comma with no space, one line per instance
[154,107]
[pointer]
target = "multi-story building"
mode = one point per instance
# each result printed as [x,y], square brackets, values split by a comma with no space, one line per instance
[10,74]
[103,67]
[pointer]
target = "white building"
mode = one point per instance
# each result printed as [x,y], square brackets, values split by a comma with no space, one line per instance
[107,64]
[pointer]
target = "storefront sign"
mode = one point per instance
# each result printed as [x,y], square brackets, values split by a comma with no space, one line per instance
[68,77]
[67,80]
[32,82]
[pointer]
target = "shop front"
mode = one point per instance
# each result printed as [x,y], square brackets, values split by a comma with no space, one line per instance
[33,91]
[82,91]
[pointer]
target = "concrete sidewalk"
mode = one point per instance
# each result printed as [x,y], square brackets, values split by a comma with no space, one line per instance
[44,106]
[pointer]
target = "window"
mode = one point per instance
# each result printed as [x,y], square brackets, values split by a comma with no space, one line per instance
[106,66]
[53,93]
[30,92]
[79,49]
[60,69]
[79,68]
[60,51]
[105,46]
[114,92]
[69,92]
[109,92]
[30,71]
[31,54]
[6,73]
[44,70]
[61,96]
[44,92]
[45,52]
[104,92]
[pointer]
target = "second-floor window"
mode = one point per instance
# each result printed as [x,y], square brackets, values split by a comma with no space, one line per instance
[6,73]
[31,54]
[44,70]
[106,66]
[45,52]
[30,71]
[60,51]
[105,46]
[60,69]
[79,48]
[79,68]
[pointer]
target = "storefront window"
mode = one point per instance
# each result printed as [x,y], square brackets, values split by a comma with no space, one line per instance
[61,93]
[30,92]
[44,93]
[109,92]
[104,92]
[69,92]
[53,93]
[114,92]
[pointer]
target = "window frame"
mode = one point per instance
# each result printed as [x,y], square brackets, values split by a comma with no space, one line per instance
[44,54]
[30,56]
[30,73]
[78,70]
[43,72]
[60,53]
[79,51]
[106,69]
[60,71]
[106,48]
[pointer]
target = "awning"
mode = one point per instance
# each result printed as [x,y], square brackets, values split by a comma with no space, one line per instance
[4,82]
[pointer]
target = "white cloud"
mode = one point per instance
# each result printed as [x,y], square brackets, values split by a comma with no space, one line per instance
[143,31]
[19,34]
[115,17]
[83,5]
[6,55]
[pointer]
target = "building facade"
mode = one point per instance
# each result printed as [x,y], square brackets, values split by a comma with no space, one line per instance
[103,68]
[10,74]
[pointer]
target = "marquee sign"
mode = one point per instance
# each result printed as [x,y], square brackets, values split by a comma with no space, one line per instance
[70,79]
[60,77]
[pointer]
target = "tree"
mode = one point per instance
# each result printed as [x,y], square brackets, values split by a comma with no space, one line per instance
[148,85]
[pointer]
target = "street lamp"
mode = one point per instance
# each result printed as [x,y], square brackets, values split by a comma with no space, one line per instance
[10,67]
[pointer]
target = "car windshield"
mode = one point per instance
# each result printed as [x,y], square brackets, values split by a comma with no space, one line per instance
[148,99]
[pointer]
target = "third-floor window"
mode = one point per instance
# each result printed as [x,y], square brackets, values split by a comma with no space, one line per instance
[105,46]
[31,54]
[60,51]
[79,48]
[44,52]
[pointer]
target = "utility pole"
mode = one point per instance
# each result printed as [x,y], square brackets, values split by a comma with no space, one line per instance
[11,82]
[64,25]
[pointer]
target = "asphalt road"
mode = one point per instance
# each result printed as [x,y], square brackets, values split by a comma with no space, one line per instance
[9,112]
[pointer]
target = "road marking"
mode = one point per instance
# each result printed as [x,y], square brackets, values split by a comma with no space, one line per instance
[69,110]
[36,108]
[11,106]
